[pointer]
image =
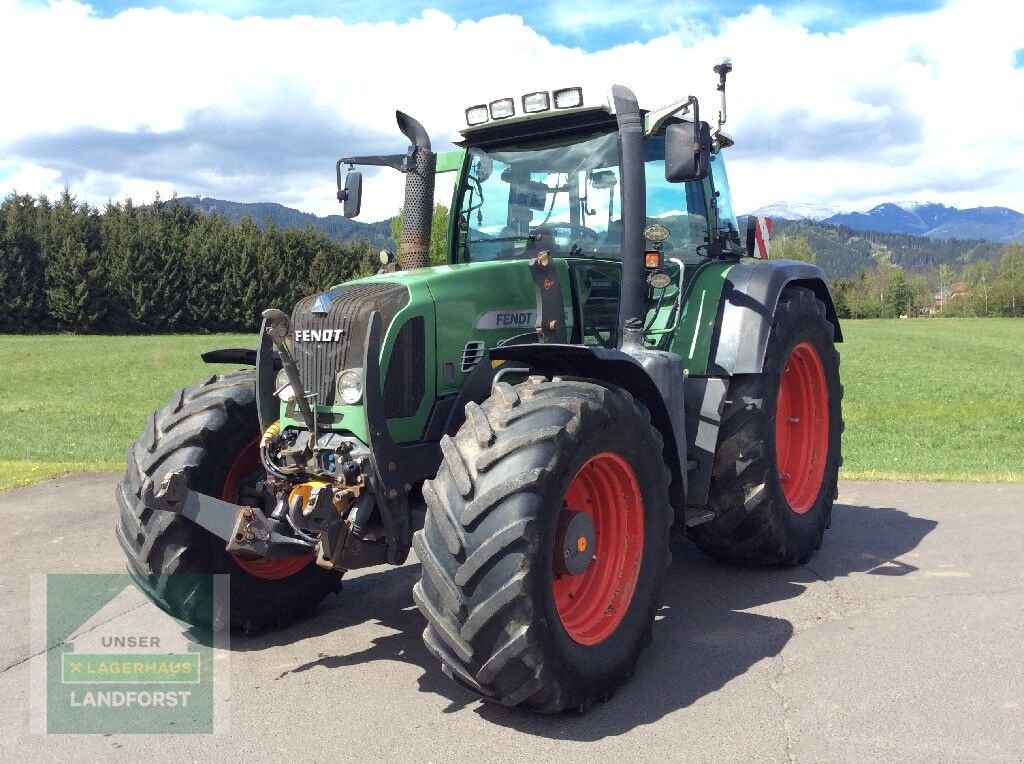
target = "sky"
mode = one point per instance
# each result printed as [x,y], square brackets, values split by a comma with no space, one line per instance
[843,104]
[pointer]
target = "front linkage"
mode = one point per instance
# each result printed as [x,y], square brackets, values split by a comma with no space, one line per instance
[322,486]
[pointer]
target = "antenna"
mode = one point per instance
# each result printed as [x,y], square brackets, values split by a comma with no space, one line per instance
[722,70]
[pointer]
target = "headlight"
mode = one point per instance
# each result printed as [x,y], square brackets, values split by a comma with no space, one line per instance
[476,115]
[503,108]
[350,386]
[283,388]
[568,98]
[534,102]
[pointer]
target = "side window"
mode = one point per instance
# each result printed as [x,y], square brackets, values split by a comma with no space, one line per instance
[726,213]
[680,207]
[597,289]
[697,213]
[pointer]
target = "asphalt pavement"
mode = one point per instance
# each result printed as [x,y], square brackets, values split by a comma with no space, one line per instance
[901,640]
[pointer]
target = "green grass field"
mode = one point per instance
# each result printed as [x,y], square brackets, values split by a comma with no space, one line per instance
[925,399]
[934,399]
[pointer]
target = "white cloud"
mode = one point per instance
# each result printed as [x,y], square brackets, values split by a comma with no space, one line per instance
[579,16]
[925,106]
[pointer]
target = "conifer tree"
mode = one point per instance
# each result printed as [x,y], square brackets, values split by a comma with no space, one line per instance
[22,296]
[1011,279]
[240,289]
[208,248]
[76,279]
[75,287]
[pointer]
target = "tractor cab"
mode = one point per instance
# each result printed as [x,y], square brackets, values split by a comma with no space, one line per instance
[556,183]
[552,180]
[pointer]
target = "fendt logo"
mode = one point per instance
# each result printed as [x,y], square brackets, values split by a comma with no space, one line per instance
[513,318]
[319,335]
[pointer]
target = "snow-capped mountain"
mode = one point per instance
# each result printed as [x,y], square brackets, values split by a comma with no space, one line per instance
[795,211]
[930,219]
[938,221]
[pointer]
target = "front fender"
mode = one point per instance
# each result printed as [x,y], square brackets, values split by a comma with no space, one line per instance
[267,364]
[653,377]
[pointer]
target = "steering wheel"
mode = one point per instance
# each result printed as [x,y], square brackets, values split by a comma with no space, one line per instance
[580,238]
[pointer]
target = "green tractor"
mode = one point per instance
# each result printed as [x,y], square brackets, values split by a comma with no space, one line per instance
[604,361]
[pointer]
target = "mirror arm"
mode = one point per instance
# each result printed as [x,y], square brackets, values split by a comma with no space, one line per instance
[398,162]
[657,118]
[395,161]
[342,193]
[696,123]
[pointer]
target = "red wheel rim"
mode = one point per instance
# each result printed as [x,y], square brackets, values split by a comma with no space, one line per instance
[247,468]
[592,604]
[801,428]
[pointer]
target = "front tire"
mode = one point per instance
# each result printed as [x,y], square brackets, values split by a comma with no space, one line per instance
[542,478]
[776,467]
[210,431]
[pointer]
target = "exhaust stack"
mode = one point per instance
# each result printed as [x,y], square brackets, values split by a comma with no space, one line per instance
[418,210]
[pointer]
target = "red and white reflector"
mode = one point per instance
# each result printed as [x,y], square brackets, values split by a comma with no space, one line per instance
[759,234]
[763,237]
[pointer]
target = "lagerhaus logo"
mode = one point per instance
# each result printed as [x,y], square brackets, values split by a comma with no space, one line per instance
[116,663]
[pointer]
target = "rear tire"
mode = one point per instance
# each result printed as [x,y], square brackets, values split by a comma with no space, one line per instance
[500,618]
[772,488]
[208,430]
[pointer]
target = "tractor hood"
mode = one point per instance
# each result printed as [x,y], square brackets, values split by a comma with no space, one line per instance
[471,308]
[479,307]
[437,325]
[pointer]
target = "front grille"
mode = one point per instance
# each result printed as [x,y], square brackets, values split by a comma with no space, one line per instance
[347,309]
[405,381]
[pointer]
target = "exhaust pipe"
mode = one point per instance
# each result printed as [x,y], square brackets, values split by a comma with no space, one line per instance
[634,211]
[418,209]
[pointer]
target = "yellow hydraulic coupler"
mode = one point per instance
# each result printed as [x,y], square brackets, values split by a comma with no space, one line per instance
[305,495]
[271,431]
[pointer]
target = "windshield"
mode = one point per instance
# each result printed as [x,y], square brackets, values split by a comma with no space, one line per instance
[564,196]
[556,196]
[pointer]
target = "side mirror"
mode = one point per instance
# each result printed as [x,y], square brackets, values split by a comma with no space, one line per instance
[759,235]
[687,151]
[352,195]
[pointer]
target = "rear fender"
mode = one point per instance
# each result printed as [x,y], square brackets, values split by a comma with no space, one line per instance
[745,317]
[749,298]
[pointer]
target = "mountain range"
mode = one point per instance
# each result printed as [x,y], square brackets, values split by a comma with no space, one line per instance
[938,222]
[929,219]
[912,236]
[336,226]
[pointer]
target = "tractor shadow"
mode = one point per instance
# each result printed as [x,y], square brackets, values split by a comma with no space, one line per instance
[703,636]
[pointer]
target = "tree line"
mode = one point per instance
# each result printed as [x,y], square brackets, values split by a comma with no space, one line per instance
[843,252]
[167,267]
[156,268]
[888,290]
